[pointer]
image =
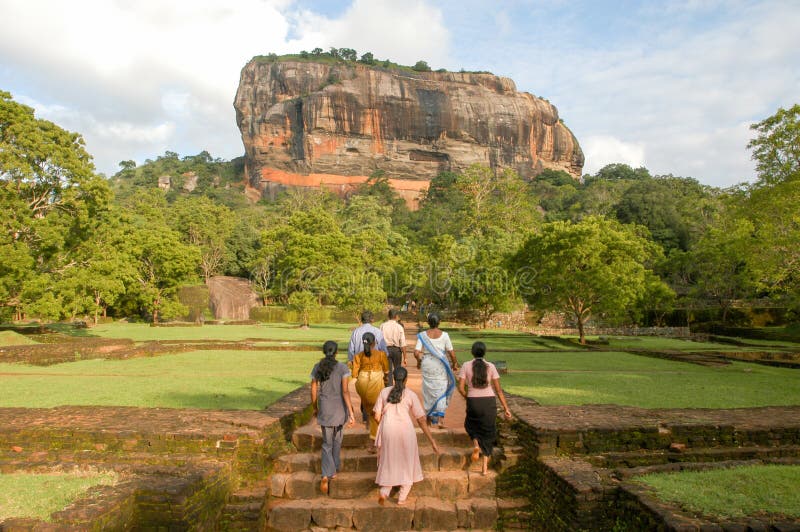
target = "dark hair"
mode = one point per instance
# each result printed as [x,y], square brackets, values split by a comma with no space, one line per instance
[326,365]
[433,320]
[366,316]
[392,313]
[400,375]
[368,339]
[480,377]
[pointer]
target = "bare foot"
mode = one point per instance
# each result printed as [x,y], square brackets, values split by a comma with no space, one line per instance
[323,485]
[476,453]
[381,500]
[402,503]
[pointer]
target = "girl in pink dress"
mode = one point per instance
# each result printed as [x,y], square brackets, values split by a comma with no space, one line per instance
[398,453]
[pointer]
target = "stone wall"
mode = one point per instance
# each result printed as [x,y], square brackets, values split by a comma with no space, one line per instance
[672,332]
[180,465]
[577,461]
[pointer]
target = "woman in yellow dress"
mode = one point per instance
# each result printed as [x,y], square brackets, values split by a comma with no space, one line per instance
[370,370]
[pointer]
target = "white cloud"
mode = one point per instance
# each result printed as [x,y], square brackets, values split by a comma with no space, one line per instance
[136,78]
[685,96]
[601,150]
[404,32]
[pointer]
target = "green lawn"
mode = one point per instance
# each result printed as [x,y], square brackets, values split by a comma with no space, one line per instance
[38,496]
[736,492]
[462,342]
[625,379]
[229,379]
[598,377]
[199,379]
[291,333]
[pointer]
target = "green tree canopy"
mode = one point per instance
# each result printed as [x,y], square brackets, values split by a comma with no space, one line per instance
[776,148]
[591,267]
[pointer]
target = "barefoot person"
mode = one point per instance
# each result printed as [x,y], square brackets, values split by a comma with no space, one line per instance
[331,402]
[484,385]
[398,452]
[370,370]
[437,360]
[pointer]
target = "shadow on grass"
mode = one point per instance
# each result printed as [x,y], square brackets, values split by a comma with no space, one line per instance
[249,398]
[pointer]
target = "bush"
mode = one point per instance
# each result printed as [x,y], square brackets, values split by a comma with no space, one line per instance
[421,66]
[195,298]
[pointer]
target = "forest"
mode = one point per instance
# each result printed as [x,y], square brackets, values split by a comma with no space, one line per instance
[621,246]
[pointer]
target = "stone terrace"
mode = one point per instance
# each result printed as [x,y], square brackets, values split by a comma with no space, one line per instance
[556,468]
[578,461]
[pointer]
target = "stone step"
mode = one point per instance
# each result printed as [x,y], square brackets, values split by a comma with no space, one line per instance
[449,485]
[252,493]
[420,513]
[679,454]
[309,437]
[361,460]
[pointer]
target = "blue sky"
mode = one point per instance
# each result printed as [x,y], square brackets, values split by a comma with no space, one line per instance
[672,85]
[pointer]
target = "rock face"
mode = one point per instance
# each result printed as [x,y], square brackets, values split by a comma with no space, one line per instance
[231,298]
[323,124]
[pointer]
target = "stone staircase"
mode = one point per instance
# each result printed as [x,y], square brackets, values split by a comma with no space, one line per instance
[453,494]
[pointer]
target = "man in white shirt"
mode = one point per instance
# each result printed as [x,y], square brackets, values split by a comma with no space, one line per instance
[366,326]
[395,337]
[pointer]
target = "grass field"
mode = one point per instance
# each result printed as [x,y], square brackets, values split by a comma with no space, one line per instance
[542,369]
[601,377]
[37,496]
[141,332]
[736,492]
[199,379]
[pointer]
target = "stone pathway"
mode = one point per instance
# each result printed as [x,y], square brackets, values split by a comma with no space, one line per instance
[453,494]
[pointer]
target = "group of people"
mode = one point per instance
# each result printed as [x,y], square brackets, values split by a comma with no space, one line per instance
[376,357]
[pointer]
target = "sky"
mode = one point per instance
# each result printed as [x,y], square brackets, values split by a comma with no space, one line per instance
[671,85]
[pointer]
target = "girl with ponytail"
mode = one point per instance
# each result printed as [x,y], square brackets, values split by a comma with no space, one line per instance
[398,459]
[484,388]
[330,400]
[370,369]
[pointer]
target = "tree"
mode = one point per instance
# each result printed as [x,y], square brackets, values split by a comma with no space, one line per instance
[720,263]
[208,226]
[51,199]
[421,66]
[163,265]
[304,302]
[590,267]
[367,58]
[773,211]
[316,51]
[776,148]
[104,270]
[348,54]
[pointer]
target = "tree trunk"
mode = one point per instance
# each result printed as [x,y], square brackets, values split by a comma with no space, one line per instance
[580,330]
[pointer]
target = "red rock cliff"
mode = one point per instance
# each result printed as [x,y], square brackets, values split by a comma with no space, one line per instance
[321,124]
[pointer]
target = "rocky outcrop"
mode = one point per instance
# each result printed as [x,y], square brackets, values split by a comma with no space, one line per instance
[231,298]
[334,124]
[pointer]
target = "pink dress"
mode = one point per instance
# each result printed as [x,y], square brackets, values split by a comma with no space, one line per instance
[398,458]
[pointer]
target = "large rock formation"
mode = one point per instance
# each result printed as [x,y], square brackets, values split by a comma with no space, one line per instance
[231,298]
[334,124]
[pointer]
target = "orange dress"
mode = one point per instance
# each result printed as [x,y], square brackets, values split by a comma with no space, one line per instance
[369,372]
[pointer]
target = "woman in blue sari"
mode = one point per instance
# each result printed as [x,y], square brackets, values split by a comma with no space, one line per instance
[437,361]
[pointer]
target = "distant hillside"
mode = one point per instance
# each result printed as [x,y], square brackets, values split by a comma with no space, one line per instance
[199,174]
